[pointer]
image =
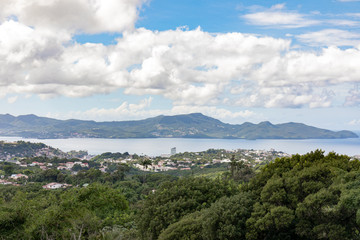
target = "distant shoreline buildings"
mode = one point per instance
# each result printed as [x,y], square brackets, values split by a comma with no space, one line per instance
[173,151]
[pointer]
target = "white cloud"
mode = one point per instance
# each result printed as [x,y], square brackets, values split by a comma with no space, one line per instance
[356,15]
[278,17]
[354,122]
[331,66]
[342,22]
[330,37]
[189,67]
[353,99]
[143,109]
[12,100]
[194,66]
[125,110]
[86,16]
[218,113]
[299,79]
[285,97]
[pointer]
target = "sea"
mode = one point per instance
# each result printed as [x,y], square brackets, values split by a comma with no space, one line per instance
[161,146]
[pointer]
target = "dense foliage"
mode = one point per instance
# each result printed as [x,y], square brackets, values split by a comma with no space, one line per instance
[111,155]
[303,197]
[306,197]
[176,199]
[73,214]
[25,148]
[311,196]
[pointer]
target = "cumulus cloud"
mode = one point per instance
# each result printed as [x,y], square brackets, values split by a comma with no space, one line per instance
[330,66]
[190,67]
[285,97]
[84,16]
[195,66]
[38,55]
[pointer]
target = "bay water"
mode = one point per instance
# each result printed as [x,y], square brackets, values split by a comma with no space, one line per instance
[159,146]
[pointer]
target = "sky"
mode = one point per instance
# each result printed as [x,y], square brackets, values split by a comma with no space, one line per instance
[237,61]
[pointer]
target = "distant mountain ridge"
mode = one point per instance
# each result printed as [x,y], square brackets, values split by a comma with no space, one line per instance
[195,125]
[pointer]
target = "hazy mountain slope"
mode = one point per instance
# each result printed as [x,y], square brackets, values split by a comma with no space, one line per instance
[193,125]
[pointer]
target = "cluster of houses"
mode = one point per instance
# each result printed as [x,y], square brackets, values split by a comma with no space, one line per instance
[12,177]
[251,157]
[167,165]
[254,157]
[18,151]
[104,162]
[11,180]
[43,152]
[45,166]
[160,167]
[55,185]
[18,176]
[70,165]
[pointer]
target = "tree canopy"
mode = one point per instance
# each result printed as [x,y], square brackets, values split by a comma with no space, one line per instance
[311,196]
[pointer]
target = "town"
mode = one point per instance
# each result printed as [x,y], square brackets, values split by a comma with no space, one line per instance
[18,160]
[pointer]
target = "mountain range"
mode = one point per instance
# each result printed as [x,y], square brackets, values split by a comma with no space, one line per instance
[195,125]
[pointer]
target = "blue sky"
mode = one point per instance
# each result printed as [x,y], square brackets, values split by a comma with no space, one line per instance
[238,61]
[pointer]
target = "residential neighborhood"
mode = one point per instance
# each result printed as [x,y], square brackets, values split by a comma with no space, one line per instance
[20,160]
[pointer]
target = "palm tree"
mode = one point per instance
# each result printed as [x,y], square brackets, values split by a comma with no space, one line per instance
[145,163]
[233,166]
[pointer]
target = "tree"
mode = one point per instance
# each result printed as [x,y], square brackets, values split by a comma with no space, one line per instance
[189,227]
[119,174]
[300,198]
[76,167]
[78,213]
[146,163]
[224,219]
[239,171]
[8,169]
[50,175]
[176,199]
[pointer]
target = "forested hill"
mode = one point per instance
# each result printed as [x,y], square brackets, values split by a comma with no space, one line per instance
[194,125]
[307,197]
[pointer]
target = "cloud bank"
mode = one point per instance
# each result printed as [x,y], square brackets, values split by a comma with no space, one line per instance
[190,67]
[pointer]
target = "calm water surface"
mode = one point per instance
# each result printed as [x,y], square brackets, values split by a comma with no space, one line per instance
[158,146]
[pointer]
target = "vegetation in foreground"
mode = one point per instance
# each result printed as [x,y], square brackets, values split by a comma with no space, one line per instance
[311,196]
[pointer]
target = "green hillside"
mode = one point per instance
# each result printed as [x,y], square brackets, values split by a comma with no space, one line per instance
[194,125]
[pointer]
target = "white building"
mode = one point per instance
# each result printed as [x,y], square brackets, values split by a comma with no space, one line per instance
[173,151]
[55,185]
[17,176]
